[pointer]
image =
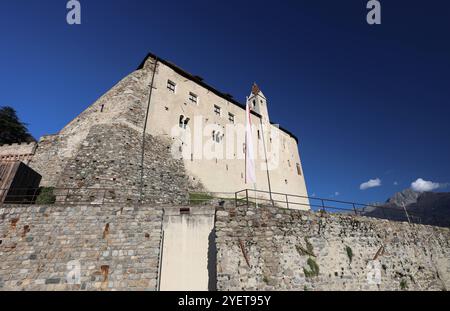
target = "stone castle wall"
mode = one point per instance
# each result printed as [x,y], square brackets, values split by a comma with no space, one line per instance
[110,158]
[124,104]
[278,244]
[17,152]
[117,247]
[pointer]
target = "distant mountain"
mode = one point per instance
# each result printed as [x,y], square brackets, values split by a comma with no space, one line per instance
[429,208]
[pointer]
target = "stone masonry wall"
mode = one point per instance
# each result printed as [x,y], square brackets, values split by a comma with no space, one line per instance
[297,250]
[110,157]
[117,247]
[17,152]
[125,103]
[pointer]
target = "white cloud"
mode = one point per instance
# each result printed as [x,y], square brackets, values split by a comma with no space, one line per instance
[370,184]
[336,193]
[421,185]
[395,183]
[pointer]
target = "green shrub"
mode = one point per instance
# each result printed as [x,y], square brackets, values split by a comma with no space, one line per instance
[309,250]
[313,269]
[349,251]
[199,198]
[46,196]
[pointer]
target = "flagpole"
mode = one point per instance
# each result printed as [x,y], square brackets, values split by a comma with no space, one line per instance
[267,164]
[250,174]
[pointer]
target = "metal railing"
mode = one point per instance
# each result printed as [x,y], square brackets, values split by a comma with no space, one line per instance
[290,201]
[70,196]
[28,196]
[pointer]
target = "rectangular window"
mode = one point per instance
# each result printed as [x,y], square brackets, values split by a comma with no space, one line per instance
[193,98]
[171,86]
[299,169]
[217,110]
[231,117]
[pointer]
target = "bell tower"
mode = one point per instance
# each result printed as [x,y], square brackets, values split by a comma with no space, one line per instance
[258,102]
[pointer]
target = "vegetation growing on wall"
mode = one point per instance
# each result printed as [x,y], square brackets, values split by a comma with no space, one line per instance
[308,250]
[403,284]
[349,251]
[46,196]
[313,268]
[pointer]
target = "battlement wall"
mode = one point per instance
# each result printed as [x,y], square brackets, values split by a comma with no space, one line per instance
[97,247]
[278,249]
[17,152]
[118,247]
[124,104]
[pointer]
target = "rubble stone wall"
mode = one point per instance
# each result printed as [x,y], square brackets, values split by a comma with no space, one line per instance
[110,247]
[279,249]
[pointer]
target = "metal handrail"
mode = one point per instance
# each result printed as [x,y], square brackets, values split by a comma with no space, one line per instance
[321,205]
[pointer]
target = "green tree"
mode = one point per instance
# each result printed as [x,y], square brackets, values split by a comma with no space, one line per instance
[12,130]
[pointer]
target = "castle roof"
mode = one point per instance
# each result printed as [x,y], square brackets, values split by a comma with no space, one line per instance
[199,81]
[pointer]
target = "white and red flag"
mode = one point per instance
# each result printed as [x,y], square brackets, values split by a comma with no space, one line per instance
[250,177]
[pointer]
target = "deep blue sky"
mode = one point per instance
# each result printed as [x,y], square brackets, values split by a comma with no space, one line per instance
[365,101]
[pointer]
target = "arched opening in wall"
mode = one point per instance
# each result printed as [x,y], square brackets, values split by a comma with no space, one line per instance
[181,121]
[186,122]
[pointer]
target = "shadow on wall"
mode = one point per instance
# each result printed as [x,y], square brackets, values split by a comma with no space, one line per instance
[212,261]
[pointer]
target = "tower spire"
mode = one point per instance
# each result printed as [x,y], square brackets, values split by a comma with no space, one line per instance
[255,89]
[258,101]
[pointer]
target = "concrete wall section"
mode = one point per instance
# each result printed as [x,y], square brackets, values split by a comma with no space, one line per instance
[188,257]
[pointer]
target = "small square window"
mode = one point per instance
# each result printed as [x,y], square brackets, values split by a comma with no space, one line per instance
[217,110]
[171,86]
[193,98]
[231,117]
[299,169]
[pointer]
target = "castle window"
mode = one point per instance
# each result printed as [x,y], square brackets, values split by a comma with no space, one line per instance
[259,135]
[102,107]
[286,181]
[231,117]
[183,122]
[289,163]
[299,169]
[171,86]
[217,136]
[193,98]
[217,110]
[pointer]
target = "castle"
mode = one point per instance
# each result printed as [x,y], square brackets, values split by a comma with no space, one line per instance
[196,131]
[139,143]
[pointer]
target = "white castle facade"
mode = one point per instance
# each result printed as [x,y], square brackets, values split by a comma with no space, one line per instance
[208,130]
